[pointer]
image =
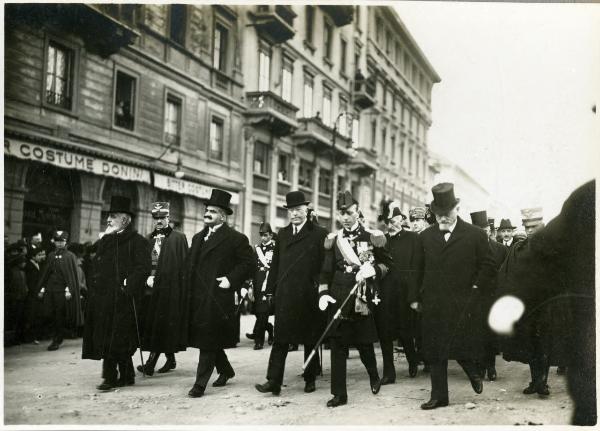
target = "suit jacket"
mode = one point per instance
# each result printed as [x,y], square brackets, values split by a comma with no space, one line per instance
[452,319]
[294,282]
[227,253]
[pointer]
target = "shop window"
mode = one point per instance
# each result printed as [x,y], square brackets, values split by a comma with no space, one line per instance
[325,184]
[264,69]
[305,175]
[283,167]
[287,76]
[261,158]
[307,106]
[125,97]
[177,23]
[59,76]
[216,139]
[310,23]
[173,120]
[220,47]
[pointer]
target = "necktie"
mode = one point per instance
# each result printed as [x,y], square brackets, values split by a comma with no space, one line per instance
[445,234]
[295,230]
[210,232]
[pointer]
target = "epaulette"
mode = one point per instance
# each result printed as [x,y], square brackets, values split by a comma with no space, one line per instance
[378,238]
[329,241]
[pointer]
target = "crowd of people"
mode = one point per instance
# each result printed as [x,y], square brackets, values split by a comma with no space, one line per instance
[441,287]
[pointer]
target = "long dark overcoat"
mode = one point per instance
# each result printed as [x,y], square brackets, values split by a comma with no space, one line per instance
[393,315]
[294,282]
[452,320]
[110,326]
[213,323]
[165,317]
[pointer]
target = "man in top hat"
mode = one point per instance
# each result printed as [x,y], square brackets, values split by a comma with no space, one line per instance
[120,269]
[499,253]
[353,257]
[393,316]
[293,283]
[258,292]
[220,261]
[493,232]
[417,218]
[532,219]
[59,285]
[456,269]
[166,299]
[506,233]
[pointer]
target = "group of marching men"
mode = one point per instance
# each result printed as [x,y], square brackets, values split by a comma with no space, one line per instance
[431,289]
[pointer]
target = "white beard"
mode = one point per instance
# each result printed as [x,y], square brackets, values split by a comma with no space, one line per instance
[110,229]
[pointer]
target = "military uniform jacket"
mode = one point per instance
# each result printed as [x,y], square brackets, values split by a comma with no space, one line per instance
[264,258]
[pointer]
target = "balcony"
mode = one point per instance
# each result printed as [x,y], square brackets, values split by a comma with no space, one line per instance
[364,162]
[101,33]
[314,133]
[341,15]
[364,91]
[267,108]
[274,22]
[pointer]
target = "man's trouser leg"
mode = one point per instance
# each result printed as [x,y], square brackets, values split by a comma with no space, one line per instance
[109,369]
[58,306]
[408,342]
[439,380]
[310,374]
[222,363]
[338,367]
[276,366]
[387,352]
[126,372]
[260,327]
[367,357]
[206,365]
[470,367]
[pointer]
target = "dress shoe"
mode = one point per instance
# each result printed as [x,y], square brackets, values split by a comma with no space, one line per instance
[530,389]
[169,365]
[375,384]
[309,387]
[476,383]
[434,404]
[53,346]
[125,382]
[269,386]
[106,385]
[413,368]
[292,347]
[270,334]
[337,400]
[543,389]
[491,374]
[146,370]
[196,391]
[222,380]
[250,336]
[258,346]
[387,380]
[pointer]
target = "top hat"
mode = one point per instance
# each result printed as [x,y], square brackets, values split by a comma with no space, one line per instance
[396,212]
[345,200]
[531,216]
[294,199]
[491,223]
[160,209]
[60,235]
[220,198]
[443,198]
[479,218]
[265,228]
[417,213]
[120,204]
[505,224]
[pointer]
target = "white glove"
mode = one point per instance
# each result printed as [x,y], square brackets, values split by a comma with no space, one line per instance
[365,271]
[223,282]
[67,293]
[324,301]
[150,281]
[243,292]
[415,306]
[42,291]
[504,313]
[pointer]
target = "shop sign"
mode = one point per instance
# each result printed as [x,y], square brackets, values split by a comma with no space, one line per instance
[188,188]
[69,160]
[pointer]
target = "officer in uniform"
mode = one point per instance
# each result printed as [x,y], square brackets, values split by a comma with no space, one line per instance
[258,291]
[353,257]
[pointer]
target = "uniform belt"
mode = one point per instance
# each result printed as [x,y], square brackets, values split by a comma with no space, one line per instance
[348,268]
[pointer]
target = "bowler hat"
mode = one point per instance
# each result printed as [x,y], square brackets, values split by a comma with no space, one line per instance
[220,198]
[345,200]
[120,204]
[479,218]
[294,199]
[443,198]
[505,224]
[160,209]
[265,228]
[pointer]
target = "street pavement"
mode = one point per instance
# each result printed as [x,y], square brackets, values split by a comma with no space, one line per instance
[58,388]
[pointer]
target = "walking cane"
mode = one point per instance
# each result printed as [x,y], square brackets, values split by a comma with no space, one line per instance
[137,329]
[336,316]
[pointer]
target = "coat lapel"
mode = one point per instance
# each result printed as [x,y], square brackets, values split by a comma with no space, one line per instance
[215,239]
[304,232]
[456,234]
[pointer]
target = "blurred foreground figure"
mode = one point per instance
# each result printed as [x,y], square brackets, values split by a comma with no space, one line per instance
[564,251]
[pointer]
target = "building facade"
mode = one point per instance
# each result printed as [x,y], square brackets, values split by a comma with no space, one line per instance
[165,102]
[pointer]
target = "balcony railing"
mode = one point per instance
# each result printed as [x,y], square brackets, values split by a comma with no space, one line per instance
[341,15]
[268,108]
[313,132]
[275,22]
[364,91]
[364,161]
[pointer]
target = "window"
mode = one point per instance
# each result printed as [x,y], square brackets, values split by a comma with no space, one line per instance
[283,167]
[410,159]
[264,70]
[177,23]
[374,135]
[173,120]
[402,154]
[384,96]
[418,165]
[261,159]
[343,54]
[125,94]
[407,66]
[287,76]
[393,148]
[307,107]
[414,75]
[388,42]
[378,30]
[220,48]
[216,139]
[59,76]
[327,107]
[305,174]
[383,142]
[398,58]
[357,17]
[310,23]
[343,125]
[355,129]
[325,184]
[327,38]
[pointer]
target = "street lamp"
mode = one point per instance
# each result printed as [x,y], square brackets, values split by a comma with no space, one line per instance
[348,118]
[179,174]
